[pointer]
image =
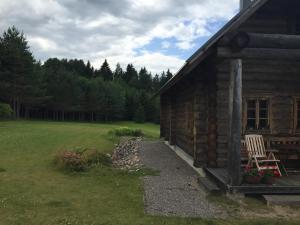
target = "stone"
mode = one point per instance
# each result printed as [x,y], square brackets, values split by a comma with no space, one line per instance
[126,154]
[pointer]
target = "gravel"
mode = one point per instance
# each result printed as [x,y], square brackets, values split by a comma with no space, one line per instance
[126,154]
[175,192]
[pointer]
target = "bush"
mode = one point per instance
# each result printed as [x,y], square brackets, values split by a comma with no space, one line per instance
[70,161]
[93,157]
[80,160]
[126,131]
[5,111]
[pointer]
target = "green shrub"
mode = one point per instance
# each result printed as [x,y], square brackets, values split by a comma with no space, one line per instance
[5,111]
[126,131]
[94,157]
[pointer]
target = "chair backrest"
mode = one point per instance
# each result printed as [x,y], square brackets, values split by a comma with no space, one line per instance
[255,145]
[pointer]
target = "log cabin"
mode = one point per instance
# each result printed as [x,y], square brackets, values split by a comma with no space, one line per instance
[244,80]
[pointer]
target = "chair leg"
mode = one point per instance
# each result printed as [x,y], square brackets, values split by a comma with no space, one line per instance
[283,168]
[278,169]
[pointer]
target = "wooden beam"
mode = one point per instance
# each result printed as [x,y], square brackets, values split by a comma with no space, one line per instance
[281,41]
[172,135]
[260,53]
[240,40]
[235,123]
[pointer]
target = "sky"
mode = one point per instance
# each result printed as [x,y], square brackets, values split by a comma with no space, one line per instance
[157,34]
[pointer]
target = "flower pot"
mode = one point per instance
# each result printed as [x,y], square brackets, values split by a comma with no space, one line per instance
[269,180]
[253,179]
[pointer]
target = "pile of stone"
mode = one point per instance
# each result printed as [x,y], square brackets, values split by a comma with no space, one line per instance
[126,154]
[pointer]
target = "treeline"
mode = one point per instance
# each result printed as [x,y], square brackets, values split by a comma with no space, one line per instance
[72,89]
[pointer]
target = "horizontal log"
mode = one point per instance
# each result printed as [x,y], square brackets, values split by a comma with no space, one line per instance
[259,40]
[273,41]
[260,53]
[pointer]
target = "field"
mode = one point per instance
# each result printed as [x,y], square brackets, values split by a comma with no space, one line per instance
[33,192]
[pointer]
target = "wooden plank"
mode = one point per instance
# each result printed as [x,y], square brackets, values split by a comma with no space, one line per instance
[260,53]
[261,40]
[235,123]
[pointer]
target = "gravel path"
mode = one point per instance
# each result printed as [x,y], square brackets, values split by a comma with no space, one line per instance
[175,192]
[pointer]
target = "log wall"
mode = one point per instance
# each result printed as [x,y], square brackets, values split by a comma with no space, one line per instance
[194,112]
[184,118]
[277,81]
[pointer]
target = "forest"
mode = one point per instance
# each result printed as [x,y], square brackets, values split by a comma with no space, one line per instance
[73,90]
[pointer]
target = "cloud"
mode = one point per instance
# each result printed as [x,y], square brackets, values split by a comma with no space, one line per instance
[166,44]
[115,29]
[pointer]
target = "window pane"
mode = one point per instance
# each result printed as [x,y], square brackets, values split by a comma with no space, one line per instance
[263,124]
[263,114]
[263,104]
[251,114]
[251,124]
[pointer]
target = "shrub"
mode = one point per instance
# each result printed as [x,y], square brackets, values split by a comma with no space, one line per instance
[81,160]
[5,111]
[94,157]
[70,161]
[125,131]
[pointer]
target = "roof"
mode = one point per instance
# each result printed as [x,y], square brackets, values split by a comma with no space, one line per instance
[202,53]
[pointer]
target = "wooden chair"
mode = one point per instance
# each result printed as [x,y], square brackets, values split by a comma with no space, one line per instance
[258,154]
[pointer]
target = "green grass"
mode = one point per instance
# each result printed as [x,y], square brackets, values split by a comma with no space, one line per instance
[33,192]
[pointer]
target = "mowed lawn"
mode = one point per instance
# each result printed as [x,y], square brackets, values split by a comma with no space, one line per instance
[32,191]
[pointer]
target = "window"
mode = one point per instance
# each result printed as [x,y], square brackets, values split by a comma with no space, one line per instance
[257,114]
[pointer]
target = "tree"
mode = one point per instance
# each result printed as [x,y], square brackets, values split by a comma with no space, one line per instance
[145,79]
[113,102]
[131,102]
[131,76]
[17,69]
[169,75]
[89,70]
[156,83]
[105,72]
[139,115]
[118,73]
[63,89]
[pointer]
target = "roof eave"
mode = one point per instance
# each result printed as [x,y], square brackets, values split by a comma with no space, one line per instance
[231,25]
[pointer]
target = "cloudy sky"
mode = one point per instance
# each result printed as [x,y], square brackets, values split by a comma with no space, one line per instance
[158,34]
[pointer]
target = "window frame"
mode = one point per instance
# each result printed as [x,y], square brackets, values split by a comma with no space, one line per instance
[257,115]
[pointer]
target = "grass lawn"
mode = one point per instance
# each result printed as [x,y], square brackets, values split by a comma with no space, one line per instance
[32,191]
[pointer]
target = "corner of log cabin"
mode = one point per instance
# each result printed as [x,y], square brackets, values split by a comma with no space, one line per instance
[195,110]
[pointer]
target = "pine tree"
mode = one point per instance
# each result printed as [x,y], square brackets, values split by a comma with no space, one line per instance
[89,70]
[131,76]
[139,115]
[106,72]
[163,79]
[17,69]
[118,73]
[156,83]
[169,75]
[145,79]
